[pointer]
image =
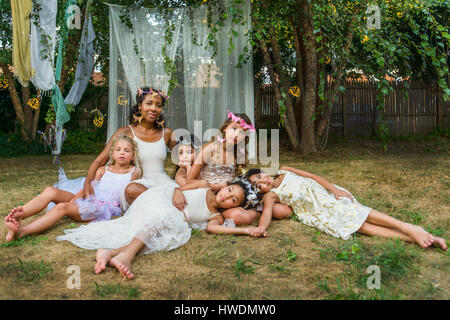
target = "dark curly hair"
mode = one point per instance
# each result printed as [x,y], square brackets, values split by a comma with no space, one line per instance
[160,122]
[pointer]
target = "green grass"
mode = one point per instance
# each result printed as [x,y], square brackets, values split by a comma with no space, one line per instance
[28,271]
[31,240]
[241,267]
[110,290]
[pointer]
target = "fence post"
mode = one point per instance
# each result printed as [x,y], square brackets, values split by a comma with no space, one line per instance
[439,105]
[344,109]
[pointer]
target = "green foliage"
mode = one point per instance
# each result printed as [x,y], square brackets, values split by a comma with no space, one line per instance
[77,142]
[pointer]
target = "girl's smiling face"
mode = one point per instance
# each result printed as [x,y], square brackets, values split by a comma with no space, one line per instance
[230,196]
[234,133]
[123,152]
[262,181]
[185,155]
[151,107]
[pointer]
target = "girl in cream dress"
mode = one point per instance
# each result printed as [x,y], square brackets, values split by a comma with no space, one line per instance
[330,208]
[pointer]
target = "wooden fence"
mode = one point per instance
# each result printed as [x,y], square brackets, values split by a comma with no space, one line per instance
[355,112]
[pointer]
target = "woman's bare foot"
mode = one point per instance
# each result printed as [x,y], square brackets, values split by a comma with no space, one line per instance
[440,242]
[423,238]
[122,263]
[103,256]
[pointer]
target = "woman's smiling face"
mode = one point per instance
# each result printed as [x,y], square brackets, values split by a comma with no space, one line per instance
[262,181]
[230,196]
[234,133]
[151,107]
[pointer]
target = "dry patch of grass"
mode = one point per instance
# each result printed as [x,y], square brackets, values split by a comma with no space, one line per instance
[294,262]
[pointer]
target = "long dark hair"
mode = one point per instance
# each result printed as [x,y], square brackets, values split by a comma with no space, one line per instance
[254,171]
[160,121]
[222,128]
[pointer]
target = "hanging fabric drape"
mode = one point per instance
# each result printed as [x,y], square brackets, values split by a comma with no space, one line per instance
[21,10]
[85,63]
[206,87]
[136,58]
[43,39]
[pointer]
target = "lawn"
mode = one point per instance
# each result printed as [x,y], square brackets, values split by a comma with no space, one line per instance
[410,181]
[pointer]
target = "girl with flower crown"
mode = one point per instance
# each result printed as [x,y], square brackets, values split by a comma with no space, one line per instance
[224,158]
[330,208]
[153,224]
[147,127]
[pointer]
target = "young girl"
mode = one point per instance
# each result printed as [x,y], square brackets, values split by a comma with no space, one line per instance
[330,208]
[102,205]
[211,164]
[153,224]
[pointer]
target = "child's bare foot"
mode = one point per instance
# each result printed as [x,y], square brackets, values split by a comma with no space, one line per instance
[13,227]
[423,238]
[123,264]
[440,242]
[103,256]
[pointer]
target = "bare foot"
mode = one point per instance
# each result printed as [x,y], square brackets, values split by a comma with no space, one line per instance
[103,256]
[123,264]
[13,227]
[423,238]
[440,242]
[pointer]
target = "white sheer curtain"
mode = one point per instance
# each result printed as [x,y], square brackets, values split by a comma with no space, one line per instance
[213,86]
[136,58]
[206,88]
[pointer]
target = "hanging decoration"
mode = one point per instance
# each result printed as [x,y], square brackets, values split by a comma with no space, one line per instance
[20,11]
[98,118]
[121,100]
[3,82]
[295,91]
[34,103]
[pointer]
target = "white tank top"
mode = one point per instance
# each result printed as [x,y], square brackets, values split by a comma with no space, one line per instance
[196,211]
[152,155]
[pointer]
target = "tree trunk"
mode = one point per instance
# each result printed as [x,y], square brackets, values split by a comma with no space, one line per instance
[323,126]
[276,86]
[307,141]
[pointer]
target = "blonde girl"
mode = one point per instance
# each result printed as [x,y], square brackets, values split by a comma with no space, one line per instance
[123,167]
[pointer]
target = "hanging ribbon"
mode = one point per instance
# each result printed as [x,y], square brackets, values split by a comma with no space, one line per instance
[21,10]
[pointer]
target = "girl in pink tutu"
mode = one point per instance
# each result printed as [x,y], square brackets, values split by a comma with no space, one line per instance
[109,182]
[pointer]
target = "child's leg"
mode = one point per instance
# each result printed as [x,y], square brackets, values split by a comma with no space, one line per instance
[46,221]
[122,261]
[39,203]
[418,234]
[374,230]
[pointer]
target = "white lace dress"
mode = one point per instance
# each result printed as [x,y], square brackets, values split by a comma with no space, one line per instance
[151,217]
[317,207]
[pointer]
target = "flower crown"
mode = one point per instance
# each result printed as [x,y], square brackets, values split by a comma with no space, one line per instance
[187,143]
[252,197]
[241,121]
[154,93]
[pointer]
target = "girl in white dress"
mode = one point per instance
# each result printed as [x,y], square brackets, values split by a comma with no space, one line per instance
[108,184]
[330,208]
[153,224]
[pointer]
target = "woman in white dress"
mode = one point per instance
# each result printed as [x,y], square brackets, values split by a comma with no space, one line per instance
[330,208]
[153,224]
[148,129]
